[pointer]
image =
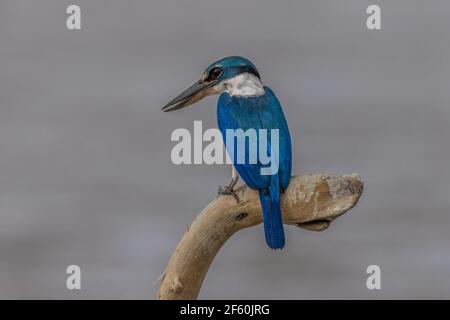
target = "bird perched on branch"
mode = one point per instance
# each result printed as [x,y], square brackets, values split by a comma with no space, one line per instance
[244,104]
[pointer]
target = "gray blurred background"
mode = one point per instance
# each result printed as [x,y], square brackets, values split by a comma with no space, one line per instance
[85,170]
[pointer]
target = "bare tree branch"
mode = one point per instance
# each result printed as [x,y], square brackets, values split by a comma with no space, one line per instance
[311,202]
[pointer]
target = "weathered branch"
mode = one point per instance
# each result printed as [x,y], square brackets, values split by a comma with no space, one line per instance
[311,202]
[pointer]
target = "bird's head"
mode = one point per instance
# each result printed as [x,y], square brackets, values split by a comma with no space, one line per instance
[236,75]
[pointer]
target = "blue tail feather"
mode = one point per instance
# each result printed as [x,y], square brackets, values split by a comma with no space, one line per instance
[273,223]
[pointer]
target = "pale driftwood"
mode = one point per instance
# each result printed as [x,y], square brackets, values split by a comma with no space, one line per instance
[311,202]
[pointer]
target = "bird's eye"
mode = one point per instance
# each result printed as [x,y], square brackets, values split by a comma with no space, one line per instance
[215,73]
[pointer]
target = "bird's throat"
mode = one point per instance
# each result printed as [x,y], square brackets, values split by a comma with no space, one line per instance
[243,85]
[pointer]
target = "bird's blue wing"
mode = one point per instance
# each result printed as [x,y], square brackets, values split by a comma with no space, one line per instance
[263,112]
[273,117]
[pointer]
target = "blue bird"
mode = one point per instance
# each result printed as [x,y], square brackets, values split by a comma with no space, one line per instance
[244,103]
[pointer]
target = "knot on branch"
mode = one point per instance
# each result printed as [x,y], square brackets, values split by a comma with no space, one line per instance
[177,287]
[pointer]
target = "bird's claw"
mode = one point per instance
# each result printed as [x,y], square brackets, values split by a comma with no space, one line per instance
[228,191]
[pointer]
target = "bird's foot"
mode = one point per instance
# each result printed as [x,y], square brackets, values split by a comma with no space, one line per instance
[228,191]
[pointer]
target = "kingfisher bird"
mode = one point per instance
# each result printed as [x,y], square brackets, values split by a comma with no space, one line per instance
[244,103]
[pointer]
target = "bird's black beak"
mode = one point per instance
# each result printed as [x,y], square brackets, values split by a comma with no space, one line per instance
[194,93]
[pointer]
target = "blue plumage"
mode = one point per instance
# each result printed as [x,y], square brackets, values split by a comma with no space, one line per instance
[260,112]
[245,104]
